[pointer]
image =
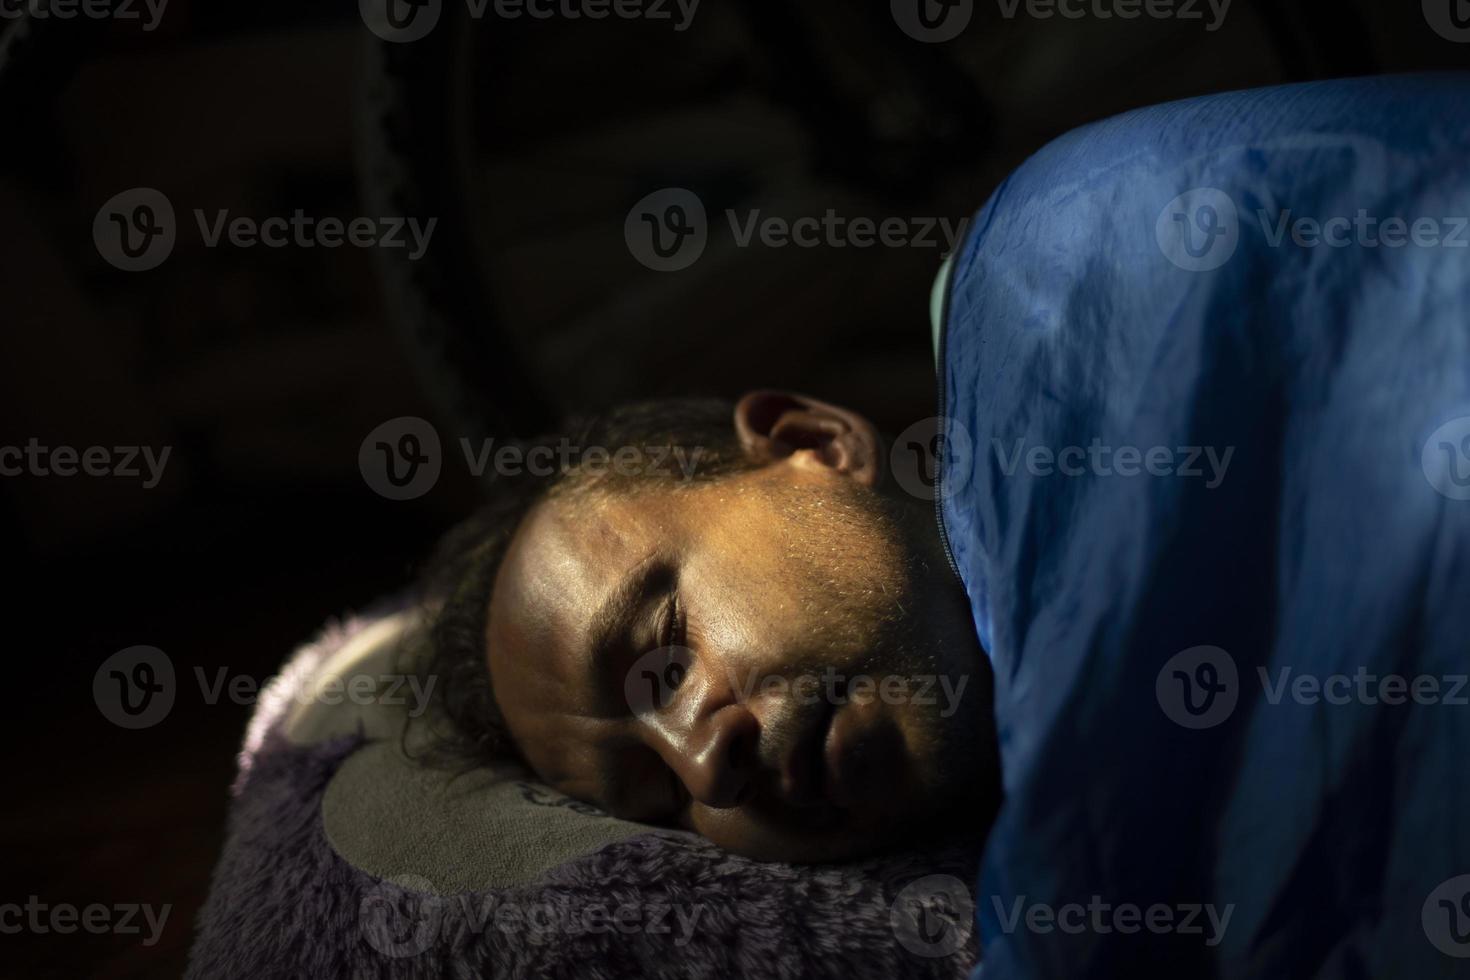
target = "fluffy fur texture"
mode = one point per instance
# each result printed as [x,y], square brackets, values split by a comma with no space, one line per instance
[284,904]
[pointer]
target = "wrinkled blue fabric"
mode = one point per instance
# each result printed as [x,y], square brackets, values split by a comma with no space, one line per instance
[1335,544]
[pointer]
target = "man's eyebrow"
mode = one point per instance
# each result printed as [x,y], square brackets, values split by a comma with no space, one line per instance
[612,619]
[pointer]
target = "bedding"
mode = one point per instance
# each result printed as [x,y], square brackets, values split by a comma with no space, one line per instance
[1206,380]
[348,857]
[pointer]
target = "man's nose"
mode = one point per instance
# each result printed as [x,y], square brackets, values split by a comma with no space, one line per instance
[709,738]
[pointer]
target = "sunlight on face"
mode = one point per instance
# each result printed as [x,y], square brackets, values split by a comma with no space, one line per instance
[813,680]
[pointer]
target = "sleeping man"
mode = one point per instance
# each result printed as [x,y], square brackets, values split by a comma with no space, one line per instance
[1192,601]
[769,648]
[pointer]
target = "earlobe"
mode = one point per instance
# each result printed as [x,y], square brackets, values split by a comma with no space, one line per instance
[783,426]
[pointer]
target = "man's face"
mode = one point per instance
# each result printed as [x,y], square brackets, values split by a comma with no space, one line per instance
[776,659]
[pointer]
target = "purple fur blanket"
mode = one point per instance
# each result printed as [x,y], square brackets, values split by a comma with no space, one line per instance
[285,903]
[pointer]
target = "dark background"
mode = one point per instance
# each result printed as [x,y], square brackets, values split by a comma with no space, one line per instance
[264,369]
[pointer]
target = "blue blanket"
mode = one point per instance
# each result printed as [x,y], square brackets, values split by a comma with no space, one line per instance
[1206,369]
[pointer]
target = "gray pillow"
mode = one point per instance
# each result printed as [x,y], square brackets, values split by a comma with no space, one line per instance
[345,857]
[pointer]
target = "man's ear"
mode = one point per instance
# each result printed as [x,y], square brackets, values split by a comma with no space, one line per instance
[781,425]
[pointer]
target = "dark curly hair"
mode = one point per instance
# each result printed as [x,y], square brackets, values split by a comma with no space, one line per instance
[466,725]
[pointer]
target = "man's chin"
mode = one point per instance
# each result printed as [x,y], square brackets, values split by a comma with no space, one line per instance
[822,836]
[802,848]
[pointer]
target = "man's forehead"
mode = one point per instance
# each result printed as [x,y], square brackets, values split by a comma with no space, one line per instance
[563,561]
[566,549]
[565,558]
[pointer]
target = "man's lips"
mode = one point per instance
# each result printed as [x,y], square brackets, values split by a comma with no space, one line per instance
[864,752]
[842,750]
